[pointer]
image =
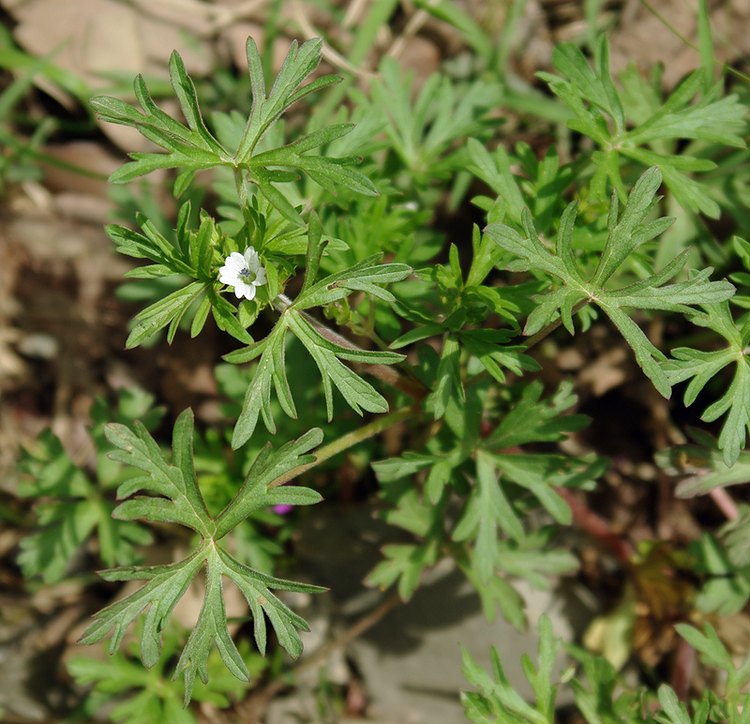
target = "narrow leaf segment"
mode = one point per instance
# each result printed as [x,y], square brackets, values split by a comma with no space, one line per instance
[168,491]
[626,233]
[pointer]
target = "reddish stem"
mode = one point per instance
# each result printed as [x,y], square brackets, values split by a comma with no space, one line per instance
[598,528]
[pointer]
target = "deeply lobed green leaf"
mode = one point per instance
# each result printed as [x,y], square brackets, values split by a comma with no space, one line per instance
[192,147]
[701,366]
[270,372]
[169,492]
[626,233]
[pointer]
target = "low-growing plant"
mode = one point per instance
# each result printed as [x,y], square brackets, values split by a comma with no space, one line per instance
[315,250]
[135,694]
[597,692]
[75,498]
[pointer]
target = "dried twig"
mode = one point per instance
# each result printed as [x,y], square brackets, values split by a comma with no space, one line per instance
[251,709]
[333,57]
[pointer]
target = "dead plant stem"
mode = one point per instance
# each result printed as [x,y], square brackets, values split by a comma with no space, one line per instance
[252,708]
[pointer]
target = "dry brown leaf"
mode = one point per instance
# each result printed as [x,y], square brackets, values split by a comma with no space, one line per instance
[606,372]
[92,38]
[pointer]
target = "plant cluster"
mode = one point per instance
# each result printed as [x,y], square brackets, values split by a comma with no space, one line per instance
[311,245]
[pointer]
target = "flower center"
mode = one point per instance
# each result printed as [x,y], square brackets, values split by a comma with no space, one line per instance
[248,276]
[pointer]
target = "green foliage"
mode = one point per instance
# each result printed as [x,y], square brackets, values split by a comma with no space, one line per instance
[701,366]
[23,155]
[498,701]
[423,131]
[721,560]
[626,233]
[480,471]
[173,496]
[598,694]
[726,585]
[742,250]
[74,501]
[150,694]
[192,147]
[704,466]
[462,309]
[729,705]
[193,253]
[635,122]
[326,352]
[489,538]
[541,186]
[198,254]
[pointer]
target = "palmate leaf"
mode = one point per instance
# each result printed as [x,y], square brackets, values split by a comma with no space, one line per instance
[488,511]
[66,526]
[700,366]
[405,563]
[626,233]
[492,510]
[441,462]
[188,147]
[423,128]
[488,535]
[177,497]
[535,559]
[603,111]
[490,524]
[192,147]
[361,396]
[287,89]
[532,419]
[498,696]
[497,699]
[497,596]
[169,492]
[458,311]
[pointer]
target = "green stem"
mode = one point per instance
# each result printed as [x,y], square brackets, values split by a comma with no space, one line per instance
[239,182]
[551,327]
[350,440]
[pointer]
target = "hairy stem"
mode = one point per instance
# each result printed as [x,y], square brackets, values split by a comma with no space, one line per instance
[725,503]
[350,440]
[241,186]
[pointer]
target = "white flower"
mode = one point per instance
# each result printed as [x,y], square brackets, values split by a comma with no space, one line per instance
[243,272]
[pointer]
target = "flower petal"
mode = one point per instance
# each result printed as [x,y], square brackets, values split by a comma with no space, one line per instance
[243,289]
[236,259]
[227,276]
[251,258]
